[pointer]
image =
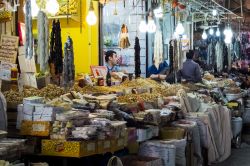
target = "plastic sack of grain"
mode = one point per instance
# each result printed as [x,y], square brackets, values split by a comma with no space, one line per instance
[158,149]
[180,158]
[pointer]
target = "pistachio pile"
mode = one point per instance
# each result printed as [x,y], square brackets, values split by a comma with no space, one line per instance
[49,92]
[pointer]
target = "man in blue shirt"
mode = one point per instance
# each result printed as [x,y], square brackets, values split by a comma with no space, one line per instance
[190,70]
[111,61]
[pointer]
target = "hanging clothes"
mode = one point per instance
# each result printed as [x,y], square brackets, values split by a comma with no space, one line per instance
[225,58]
[68,65]
[158,49]
[3,113]
[56,59]
[137,58]
[28,31]
[43,38]
[230,53]
[171,56]
[124,38]
[219,56]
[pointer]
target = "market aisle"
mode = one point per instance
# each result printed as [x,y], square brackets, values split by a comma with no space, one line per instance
[239,157]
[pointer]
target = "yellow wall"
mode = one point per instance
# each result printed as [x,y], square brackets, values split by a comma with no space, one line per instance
[85,54]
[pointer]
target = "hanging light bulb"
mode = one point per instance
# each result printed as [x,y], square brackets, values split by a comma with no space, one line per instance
[143,26]
[214,12]
[218,32]
[228,32]
[228,40]
[151,26]
[52,7]
[211,31]
[204,35]
[180,29]
[91,17]
[34,8]
[158,12]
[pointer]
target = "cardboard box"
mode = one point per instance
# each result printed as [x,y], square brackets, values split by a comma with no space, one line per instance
[34,99]
[68,148]
[37,112]
[35,128]
[141,161]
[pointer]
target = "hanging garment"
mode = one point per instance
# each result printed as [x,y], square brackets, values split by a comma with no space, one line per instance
[43,38]
[56,59]
[176,53]
[225,57]
[137,58]
[219,56]
[211,59]
[158,49]
[3,113]
[230,56]
[68,66]
[28,31]
[171,55]
[124,38]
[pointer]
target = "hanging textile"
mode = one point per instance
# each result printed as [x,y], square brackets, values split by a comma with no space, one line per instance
[176,53]
[3,113]
[68,65]
[158,49]
[225,57]
[180,55]
[230,47]
[171,56]
[137,58]
[28,31]
[43,38]
[219,56]
[124,40]
[56,59]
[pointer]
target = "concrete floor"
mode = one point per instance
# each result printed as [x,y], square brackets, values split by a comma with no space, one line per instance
[239,157]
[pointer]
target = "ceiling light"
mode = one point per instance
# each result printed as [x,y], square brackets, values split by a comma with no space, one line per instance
[143,26]
[151,26]
[180,29]
[91,17]
[52,7]
[211,31]
[228,40]
[228,32]
[218,32]
[214,12]
[204,35]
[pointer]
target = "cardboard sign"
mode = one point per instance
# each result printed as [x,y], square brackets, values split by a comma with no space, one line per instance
[8,50]
[185,44]
[99,71]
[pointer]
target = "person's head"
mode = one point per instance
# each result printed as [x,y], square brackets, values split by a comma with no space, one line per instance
[190,54]
[111,57]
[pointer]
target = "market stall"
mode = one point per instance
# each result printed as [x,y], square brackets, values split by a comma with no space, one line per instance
[60,106]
